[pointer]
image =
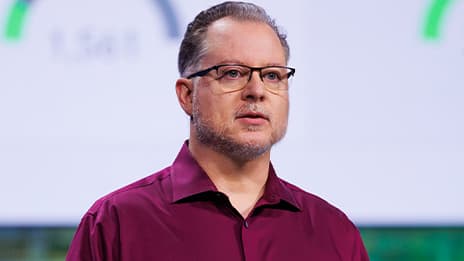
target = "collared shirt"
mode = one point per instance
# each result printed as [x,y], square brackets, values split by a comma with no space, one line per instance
[178,214]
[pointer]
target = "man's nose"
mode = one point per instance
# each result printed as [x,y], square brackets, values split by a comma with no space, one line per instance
[254,89]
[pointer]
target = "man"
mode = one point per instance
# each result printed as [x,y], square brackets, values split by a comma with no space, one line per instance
[221,198]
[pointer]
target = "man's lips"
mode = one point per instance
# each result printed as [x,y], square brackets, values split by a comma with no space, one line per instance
[252,116]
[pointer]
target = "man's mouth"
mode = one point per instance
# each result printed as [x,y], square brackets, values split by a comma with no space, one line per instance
[252,115]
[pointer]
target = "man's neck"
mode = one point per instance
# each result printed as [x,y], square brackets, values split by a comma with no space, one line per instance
[242,181]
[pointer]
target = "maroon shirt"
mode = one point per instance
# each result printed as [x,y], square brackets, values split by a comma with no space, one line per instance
[178,214]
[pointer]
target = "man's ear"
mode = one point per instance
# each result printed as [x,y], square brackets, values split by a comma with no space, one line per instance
[184,93]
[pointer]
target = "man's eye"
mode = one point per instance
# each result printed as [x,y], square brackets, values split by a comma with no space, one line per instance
[232,74]
[272,76]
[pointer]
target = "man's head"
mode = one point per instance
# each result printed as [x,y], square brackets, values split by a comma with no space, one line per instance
[234,81]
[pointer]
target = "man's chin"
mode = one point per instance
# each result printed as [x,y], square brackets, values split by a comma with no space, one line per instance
[243,145]
[252,147]
[242,148]
[253,137]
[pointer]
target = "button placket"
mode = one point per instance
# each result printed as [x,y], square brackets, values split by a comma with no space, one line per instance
[246,234]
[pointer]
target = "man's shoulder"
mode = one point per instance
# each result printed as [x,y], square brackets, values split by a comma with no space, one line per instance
[330,225]
[144,187]
[314,205]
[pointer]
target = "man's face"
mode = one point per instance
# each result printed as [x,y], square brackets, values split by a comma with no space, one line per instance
[243,124]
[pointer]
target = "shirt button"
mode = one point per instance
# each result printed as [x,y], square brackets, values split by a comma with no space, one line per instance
[245,224]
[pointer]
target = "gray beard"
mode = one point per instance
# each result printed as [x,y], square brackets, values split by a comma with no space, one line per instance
[217,140]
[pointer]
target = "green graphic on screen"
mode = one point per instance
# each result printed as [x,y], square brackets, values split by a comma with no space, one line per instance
[434,19]
[15,20]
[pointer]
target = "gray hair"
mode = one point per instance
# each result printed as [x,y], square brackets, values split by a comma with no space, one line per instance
[193,46]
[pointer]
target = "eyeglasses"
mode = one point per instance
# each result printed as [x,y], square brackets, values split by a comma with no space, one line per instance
[233,77]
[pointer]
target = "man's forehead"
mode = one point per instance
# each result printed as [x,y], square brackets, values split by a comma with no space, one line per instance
[227,25]
[229,40]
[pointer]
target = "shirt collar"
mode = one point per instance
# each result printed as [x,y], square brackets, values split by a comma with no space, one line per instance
[189,179]
[276,192]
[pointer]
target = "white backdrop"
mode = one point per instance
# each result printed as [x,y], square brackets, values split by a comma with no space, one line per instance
[87,105]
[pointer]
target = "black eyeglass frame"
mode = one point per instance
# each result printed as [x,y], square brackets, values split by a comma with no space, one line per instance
[252,69]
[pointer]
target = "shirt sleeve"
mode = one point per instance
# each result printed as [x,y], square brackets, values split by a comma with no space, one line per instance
[359,250]
[96,238]
[346,238]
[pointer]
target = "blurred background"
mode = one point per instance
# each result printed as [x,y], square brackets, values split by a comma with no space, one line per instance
[87,105]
